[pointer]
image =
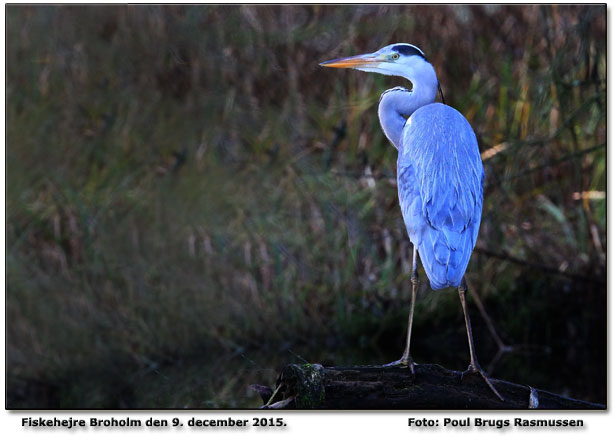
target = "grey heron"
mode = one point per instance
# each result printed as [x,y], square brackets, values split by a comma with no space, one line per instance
[439,175]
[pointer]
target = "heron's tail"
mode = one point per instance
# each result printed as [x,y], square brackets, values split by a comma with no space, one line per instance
[444,263]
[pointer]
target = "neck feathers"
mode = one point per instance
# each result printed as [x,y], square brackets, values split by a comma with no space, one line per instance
[397,104]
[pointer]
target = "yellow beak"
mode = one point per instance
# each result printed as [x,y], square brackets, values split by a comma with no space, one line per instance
[366,60]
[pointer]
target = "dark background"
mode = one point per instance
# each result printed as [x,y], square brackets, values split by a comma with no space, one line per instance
[192,202]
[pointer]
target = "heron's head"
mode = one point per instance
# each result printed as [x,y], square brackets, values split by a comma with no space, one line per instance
[399,59]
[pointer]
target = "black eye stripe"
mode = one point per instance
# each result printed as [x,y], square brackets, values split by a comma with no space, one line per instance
[408,50]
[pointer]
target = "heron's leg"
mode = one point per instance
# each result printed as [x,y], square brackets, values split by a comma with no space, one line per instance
[474,366]
[415,281]
[406,359]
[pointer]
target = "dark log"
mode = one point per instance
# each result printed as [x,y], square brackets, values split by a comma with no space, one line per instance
[312,386]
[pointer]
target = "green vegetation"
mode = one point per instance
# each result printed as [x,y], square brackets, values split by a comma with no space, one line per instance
[189,196]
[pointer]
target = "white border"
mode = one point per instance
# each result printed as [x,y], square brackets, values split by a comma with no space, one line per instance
[302,422]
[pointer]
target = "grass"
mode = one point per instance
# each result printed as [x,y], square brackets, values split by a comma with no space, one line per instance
[186,181]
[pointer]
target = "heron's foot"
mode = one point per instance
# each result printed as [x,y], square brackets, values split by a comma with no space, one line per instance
[475,369]
[403,362]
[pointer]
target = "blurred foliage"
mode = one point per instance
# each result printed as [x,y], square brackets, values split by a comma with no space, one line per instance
[185,184]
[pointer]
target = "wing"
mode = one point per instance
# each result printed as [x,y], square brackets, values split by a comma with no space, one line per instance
[440,177]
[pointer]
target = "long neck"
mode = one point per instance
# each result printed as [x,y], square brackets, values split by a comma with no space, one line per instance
[397,104]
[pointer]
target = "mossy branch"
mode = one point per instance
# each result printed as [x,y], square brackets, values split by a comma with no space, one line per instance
[312,386]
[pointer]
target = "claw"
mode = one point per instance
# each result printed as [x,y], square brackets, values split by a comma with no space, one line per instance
[402,363]
[475,369]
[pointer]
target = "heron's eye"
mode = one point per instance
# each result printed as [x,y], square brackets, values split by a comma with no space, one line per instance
[394,56]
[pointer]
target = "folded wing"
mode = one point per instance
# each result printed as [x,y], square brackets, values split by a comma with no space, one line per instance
[440,177]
